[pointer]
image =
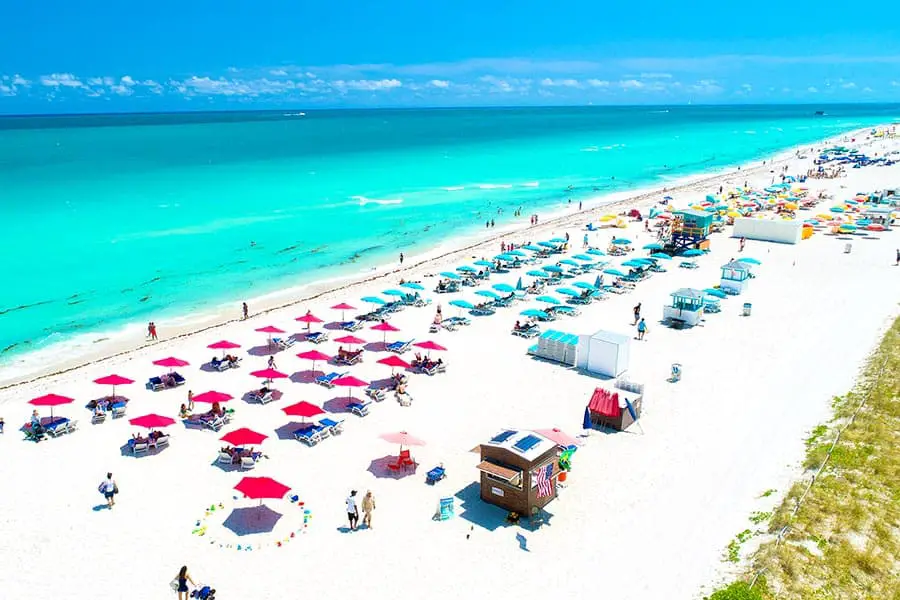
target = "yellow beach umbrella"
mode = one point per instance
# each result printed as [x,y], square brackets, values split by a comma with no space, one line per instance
[791,205]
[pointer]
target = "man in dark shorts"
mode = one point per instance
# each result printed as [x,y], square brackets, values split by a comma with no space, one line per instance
[352,510]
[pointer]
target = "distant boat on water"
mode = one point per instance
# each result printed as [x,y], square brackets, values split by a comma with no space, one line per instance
[820,113]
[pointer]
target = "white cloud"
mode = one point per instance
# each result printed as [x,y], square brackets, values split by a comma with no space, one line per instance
[707,86]
[367,85]
[442,84]
[121,90]
[812,90]
[126,80]
[278,73]
[7,90]
[19,80]
[786,90]
[656,76]
[895,83]
[310,75]
[746,87]
[597,83]
[570,83]
[849,85]
[631,84]
[505,85]
[867,89]
[56,80]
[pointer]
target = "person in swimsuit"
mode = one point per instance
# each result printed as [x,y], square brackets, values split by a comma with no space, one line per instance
[182,578]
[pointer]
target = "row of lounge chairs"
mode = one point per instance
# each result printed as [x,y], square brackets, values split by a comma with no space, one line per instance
[165,381]
[228,362]
[208,420]
[245,459]
[50,427]
[152,443]
[313,433]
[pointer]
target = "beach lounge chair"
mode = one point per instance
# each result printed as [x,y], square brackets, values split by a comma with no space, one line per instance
[98,417]
[483,311]
[317,337]
[118,410]
[436,368]
[351,325]
[255,396]
[686,264]
[219,365]
[328,380]
[334,427]
[197,423]
[71,426]
[399,347]
[376,394]
[348,358]
[360,409]
[224,459]
[308,435]
[406,460]
[284,343]
[435,475]
[161,442]
[138,449]
[247,462]
[527,332]
[57,427]
[155,384]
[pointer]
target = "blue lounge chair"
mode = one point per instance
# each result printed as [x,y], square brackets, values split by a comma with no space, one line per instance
[317,337]
[333,427]
[360,409]
[351,325]
[308,435]
[399,347]
[327,380]
[435,475]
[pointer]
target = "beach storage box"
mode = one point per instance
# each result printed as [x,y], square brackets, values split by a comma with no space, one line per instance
[557,346]
[768,230]
[609,405]
[605,353]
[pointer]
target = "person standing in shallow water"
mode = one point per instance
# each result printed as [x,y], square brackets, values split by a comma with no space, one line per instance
[245,311]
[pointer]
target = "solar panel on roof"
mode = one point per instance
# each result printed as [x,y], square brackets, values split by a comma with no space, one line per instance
[502,437]
[527,443]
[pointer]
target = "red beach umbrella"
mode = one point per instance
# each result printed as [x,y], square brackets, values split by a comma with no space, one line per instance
[342,307]
[270,329]
[171,362]
[258,488]
[394,361]
[303,409]
[309,319]
[314,355]
[348,381]
[402,438]
[350,340]
[429,345]
[268,374]
[114,380]
[51,400]
[212,397]
[152,421]
[243,437]
[385,327]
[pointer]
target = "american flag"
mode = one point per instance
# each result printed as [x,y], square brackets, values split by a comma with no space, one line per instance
[544,483]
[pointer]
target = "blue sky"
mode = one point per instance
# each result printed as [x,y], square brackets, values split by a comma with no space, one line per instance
[104,56]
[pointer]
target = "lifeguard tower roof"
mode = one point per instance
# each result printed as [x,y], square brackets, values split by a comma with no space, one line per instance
[691,212]
[688,293]
[736,265]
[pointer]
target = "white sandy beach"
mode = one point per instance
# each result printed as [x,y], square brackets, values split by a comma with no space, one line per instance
[644,516]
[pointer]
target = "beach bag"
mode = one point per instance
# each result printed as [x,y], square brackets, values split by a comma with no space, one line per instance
[116,489]
[174,585]
[102,488]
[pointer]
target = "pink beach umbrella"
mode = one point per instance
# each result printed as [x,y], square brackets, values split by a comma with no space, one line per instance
[385,327]
[223,345]
[348,381]
[51,400]
[350,340]
[171,362]
[268,375]
[113,380]
[394,362]
[303,409]
[402,438]
[269,330]
[212,397]
[314,355]
[243,437]
[343,306]
[152,421]
[309,319]
[259,488]
[429,346]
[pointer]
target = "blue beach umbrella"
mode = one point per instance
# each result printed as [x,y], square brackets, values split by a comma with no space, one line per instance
[558,240]
[393,293]
[595,252]
[644,260]
[503,287]
[653,246]
[693,252]
[488,294]
[716,293]
[661,256]
[568,292]
[412,285]
[570,262]
[633,264]
[552,269]
[519,285]
[483,263]
[449,275]
[749,261]
[462,304]
[516,253]
[622,242]
[614,272]
[466,269]
[584,285]
[374,300]
[836,209]
[532,247]
[536,273]
[583,257]
[547,299]
[546,245]
[533,312]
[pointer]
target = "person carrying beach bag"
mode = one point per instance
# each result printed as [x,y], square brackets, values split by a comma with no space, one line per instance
[109,489]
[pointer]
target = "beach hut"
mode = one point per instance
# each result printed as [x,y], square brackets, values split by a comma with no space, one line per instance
[686,308]
[735,277]
[605,353]
[518,471]
[616,406]
[689,229]
[879,215]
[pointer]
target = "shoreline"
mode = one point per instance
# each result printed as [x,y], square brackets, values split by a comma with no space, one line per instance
[128,340]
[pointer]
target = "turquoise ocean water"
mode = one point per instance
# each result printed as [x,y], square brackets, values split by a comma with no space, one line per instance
[119,219]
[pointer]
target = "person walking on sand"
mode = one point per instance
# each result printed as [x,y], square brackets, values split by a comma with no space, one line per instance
[368,505]
[272,362]
[245,311]
[151,329]
[180,583]
[585,241]
[642,329]
[190,402]
[352,510]
[109,489]
[637,313]
[896,264]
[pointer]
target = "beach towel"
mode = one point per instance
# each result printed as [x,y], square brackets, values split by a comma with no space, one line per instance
[605,403]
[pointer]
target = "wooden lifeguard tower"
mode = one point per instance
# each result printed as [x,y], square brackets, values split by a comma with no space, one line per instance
[689,229]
